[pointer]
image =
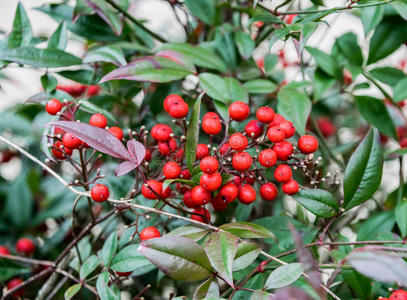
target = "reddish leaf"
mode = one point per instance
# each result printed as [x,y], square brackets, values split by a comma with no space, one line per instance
[125,167]
[97,138]
[177,57]
[291,293]
[137,151]
[114,20]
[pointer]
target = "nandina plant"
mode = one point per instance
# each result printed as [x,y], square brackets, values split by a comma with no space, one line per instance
[203,169]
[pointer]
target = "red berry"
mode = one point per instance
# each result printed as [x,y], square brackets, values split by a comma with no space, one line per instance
[277,120]
[98,120]
[117,132]
[229,192]
[202,151]
[53,106]
[268,158]
[25,245]
[250,179]
[247,194]
[288,128]
[171,170]
[151,189]
[165,193]
[268,191]
[203,215]
[239,111]
[172,143]
[238,141]
[211,126]
[398,295]
[219,203]
[169,100]
[211,182]
[241,161]
[307,144]
[237,181]
[283,149]
[93,90]
[148,155]
[14,283]
[254,129]
[149,233]
[326,126]
[163,148]
[211,115]
[283,173]
[124,274]
[200,196]
[225,148]
[99,193]
[71,141]
[291,187]
[178,109]
[275,134]
[209,164]
[4,250]
[59,151]
[188,200]
[185,174]
[265,114]
[161,132]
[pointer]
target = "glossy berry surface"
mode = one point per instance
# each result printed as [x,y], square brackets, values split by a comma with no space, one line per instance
[275,134]
[149,233]
[25,246]
[4,250]
[59,151]
[283,173]
[247,194]
[187,199]
[241,161]
[185,174]
[171,170]
[71,141]
[200,195]
[161,132]
[283,150]
[209,165]
[98,120]
[211,126]
[219,203]
[398,295]
[238,141]
[254,129]
[211,182]
[239,111]
[265,114]
[225,148]
[178,109]
[53,106]
[117,132]
[277,120]
[288,128]
[99,193]
[307,144]
[229,192]
[151,189]
[290,187]
[202,216]
[202,151]
[268,158]
[268,191]
[14,283]
[171,99]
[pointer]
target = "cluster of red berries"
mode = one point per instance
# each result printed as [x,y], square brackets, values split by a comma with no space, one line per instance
[396,295]
[24,246]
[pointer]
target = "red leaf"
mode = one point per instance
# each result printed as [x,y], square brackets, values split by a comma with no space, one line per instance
[125,167]
[136,150]
[97,138]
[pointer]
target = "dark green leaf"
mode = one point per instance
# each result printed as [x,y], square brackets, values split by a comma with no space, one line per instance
[364,171]
[349,46]
[215,86]
[401,217]
[371,17]
[104,292]
[283,276]
[81,76]
[202,9]
[319,202]
[270,61]
[108,14]
[39,58]
[236,90]
[388,75]
[400,90]
[193,133]
[375,112]
[111,54]
[178,257]
[19,202]
[376,224]
[244,44]
[260,86]
[89,266]
[109,249]
[59,38]
[221,247]
[322,83]
[209,289]
[247,230]
[72,291]
[325,62]
[245,255]
[22,33]
[189,231]
[48,82]
[128,259]
[266,18]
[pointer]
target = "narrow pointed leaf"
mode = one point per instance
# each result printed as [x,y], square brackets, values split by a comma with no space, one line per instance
[109,249]
[189,231]
[401,217]
[209,289]
[178,57]
[247,230]
[104,292]
[319,202]
[283,276]
[111,54]
[245,255]
[108,14]
[89,266]
[21,33]
[59,38]
[72,291]
[193,133]
[129,259]
[202,9]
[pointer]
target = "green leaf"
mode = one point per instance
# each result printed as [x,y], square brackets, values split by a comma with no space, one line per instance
[247,230]
[221,247]
[202,9]
[22,33]
[129,259]
[245,44]
[294,106]
[375,112]
[48,82]
[283,276]
[201,57]
[236,90]
[59,38]
[388,75]
[400,90]
[178,257]
[261,295]
[245,255]
[193,133]
[189,231]
[150,68]
[111,54]
[39,58]
[349,46]
[266,18]
[104,292]
[109,249]
[401,217]
[215,86]
[371,17]
[209,289]
[260,86]
[322,83]
[72,291]
[325,62]
[379,265]
[364,171]
[108,14]
[81,76]
[375,225]
[90,107]
[401,7]
[19,202]
[225,47]
[320,202]
[89,266]
[389,35]
[270,61]
[167,182]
